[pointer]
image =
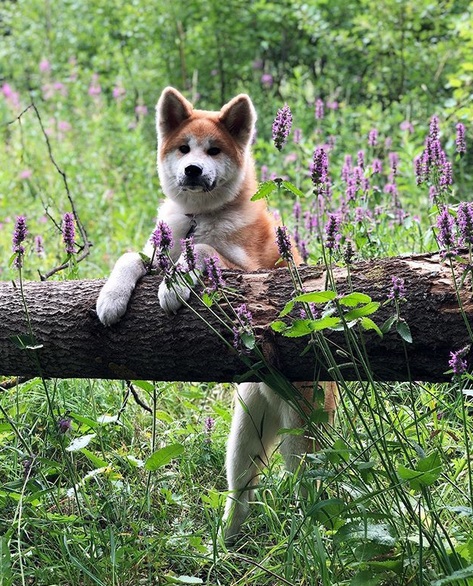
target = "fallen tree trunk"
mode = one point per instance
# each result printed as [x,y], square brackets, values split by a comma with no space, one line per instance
[147,344]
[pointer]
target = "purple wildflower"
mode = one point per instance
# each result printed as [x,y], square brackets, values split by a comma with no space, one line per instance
[373,137]
[332,231]
[393,161]
[161,238]
[347,167]
[188,251]
[398,289]
[460,140]
[283,241]
[297,135]
[456,362]
[360,157]
[94,88]
[376,167]
[19,235]
[319,109]
[64,424]
[445,224]
[446,174]
[319,170]
[214,273]
[434,128]
[465,221]
[209,424]
[38,245]
[282,126]
[68,232]
[244,326]
[267,80]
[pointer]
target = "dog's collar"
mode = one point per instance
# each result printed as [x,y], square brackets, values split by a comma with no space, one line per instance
[193,225]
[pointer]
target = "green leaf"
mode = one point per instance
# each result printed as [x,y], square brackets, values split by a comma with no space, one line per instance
[385,328]
[428,471]
[316,297]
[353,299]
[264,189]
[404,330]
[368,324]
[248,340]
[96,461]
[303,327]
[287,308]
[278,326]
[26,342]
[293,189]
[456,577]
[367,578]
[163,456]
[367,309]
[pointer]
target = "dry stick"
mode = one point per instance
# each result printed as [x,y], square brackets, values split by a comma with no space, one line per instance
[84,250]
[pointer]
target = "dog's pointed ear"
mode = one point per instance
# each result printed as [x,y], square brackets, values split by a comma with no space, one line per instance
[171,111]
[239,118]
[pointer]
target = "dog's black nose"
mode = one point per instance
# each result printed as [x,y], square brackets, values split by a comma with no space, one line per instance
[193,171]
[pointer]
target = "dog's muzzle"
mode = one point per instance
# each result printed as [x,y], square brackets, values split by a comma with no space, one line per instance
[195,180]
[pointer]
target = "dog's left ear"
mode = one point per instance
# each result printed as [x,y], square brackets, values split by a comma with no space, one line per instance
[239,118]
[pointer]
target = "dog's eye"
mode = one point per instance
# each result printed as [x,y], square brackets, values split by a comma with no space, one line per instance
[184,149]
[213,151]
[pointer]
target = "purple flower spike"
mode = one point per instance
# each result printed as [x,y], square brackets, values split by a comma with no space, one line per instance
[460,140]
[161,238]
[398,290]
[19,234]
[332,231]
[456,362]
[68,232]
[187,247]
[373,137]
[445,224]
[283,241]
[214,272]
[282,126]
[319,109]
[465,221]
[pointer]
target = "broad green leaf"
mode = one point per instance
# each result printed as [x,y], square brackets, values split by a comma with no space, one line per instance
[367,309]
[278,326]
[264,189]
[303,327]
[353,299]
[248,340]
[428,471]
[367,578]
[293,189]
[404,331]
[457,577]
[163,456]
[368,324]
[316,297]
[96,461]
[287,308]
[385,328]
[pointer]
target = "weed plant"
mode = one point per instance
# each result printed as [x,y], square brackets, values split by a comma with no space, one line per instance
[97,487]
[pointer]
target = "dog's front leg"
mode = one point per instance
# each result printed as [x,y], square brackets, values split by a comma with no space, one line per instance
[115,294]
[173,293]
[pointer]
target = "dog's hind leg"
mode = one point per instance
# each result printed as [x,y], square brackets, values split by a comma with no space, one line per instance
[255,423]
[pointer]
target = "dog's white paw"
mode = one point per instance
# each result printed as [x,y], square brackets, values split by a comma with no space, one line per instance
[111,306]
[172,298]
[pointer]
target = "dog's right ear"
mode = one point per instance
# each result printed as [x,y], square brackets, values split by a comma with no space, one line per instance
[171,111]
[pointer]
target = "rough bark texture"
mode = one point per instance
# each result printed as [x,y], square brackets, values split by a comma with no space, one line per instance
[147,344]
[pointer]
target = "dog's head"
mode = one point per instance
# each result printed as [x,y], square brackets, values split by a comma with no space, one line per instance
[202,156]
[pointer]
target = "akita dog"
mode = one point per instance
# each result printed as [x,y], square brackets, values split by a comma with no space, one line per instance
[207,174]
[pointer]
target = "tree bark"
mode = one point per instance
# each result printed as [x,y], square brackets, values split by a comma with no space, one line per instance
[147,344]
